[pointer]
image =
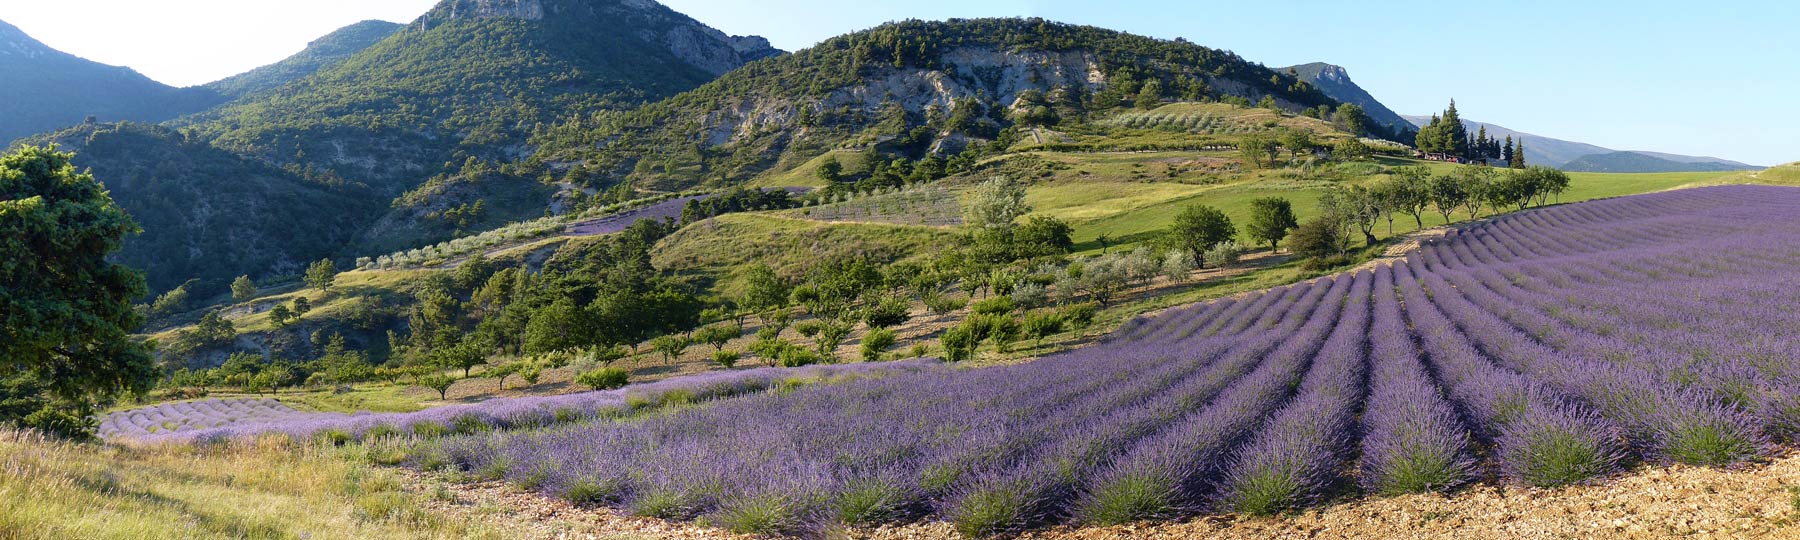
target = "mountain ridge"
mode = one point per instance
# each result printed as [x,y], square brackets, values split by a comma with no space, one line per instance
[321,53]
[47,89]
[374,114]
[1645,162]
[913,86]
[1541,150]
[1335,81]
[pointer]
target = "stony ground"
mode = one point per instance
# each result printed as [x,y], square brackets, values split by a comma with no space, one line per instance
[1652,502]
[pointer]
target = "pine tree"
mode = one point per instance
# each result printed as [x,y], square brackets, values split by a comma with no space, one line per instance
[1506,152]
[1455,134]
[1518,156]
[1481,143]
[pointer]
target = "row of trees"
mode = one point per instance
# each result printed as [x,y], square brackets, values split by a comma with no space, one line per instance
[1446,134]
[1415,191]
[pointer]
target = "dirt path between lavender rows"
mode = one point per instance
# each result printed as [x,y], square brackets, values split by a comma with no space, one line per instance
[1651,502]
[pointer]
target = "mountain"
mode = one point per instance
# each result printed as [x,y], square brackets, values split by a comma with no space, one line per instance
[472,78]
[379,143]
[321,53]
[207,213]
[1646,162]
[1541,150]
[909,88]
[46,89]
[1335,81]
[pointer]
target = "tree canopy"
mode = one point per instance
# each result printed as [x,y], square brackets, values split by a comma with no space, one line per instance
[64,309]
[1270,220]
[1200,227]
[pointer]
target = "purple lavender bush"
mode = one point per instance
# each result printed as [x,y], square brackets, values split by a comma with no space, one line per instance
[1543,348]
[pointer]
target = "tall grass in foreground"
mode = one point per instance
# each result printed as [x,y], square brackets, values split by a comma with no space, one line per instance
[268,488]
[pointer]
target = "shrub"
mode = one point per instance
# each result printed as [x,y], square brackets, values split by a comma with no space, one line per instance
[796,357]
[594,491]
[764,514]
[1130,498]
[429,429]
[1030,295]
[959,343]
[872,501]
[670,346]
[1080,316]
[991,512]
[469,423]
[941,304]
[1223,254]
[1318,238]
[999,305]
[606,378]
[726,359]
[887,312]
[1042,325]
[876,342]
[716,335]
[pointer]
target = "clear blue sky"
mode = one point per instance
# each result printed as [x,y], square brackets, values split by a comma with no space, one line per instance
[1704,78]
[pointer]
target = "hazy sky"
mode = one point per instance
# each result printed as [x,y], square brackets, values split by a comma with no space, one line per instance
[1712,78]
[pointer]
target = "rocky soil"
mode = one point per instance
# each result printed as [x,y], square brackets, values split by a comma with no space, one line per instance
[1762,501]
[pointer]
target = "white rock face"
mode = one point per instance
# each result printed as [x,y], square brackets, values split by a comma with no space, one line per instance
[967,73]
[524,9]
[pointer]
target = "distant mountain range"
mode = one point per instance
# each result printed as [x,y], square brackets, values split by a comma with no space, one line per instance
[1539,150]
[1582,157]
[42,89]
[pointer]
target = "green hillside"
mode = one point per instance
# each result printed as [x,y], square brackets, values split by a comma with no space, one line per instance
[455,84]
[417,122]
[322,53]
[209,214]
[910,88]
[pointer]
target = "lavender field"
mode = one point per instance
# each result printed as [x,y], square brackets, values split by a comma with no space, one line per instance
[172,418]
[218,419]
[1541,348]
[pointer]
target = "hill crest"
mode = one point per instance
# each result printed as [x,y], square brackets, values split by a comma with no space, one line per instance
[324,52]
[1335,81]
[46,89]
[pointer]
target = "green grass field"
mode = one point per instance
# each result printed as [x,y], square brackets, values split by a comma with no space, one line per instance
[1107,201]
[727,244]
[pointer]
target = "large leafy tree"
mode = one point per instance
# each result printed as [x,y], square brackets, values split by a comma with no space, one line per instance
[64,310]
[1200,227]
[1270,220]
